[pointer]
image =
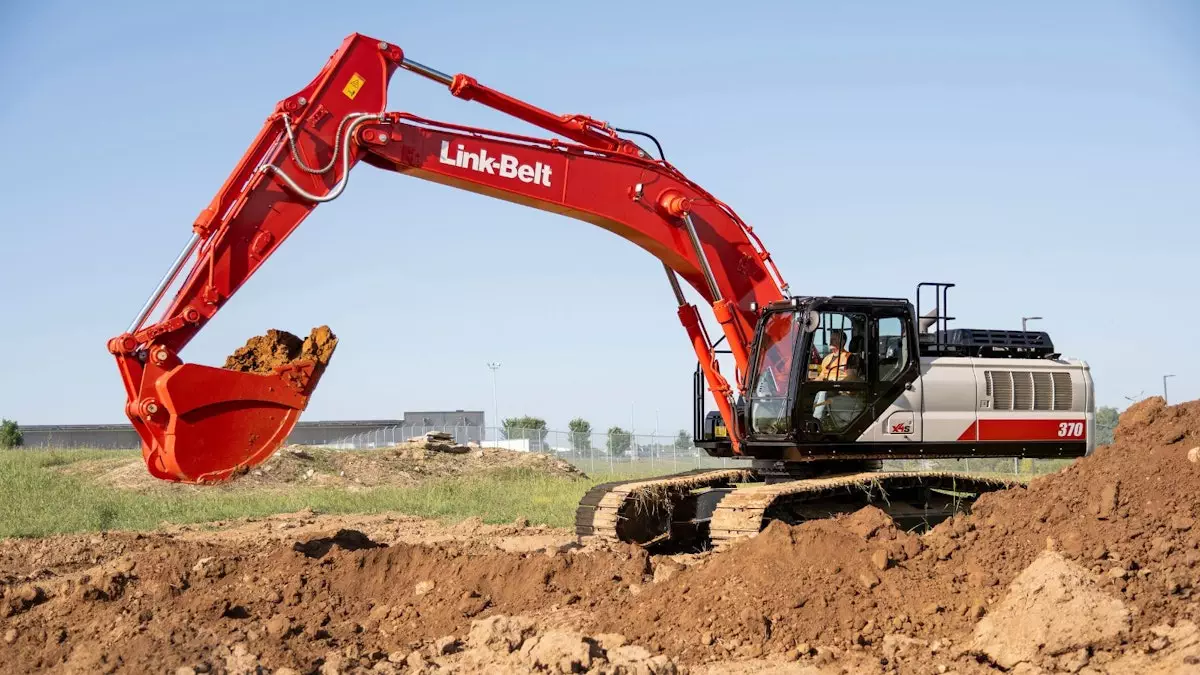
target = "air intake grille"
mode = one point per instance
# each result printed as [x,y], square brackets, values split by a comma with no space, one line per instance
[1062,391]
[1025,390]
[1043,391]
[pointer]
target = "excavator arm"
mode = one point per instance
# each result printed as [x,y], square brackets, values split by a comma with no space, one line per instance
[204,424]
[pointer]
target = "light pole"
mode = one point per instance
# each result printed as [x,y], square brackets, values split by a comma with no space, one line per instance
[1165,399]
[1027,319]
[495,365]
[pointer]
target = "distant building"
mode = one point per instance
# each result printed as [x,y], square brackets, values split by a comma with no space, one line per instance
[466,425]
[104,436]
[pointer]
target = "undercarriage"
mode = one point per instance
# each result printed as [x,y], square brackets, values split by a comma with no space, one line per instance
[705,508]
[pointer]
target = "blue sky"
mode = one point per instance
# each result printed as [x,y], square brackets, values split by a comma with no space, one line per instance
[1043,156]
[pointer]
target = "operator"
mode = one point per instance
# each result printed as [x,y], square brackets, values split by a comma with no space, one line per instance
[837,409]
[837,364]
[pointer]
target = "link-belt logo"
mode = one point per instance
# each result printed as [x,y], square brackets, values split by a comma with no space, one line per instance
[505,166]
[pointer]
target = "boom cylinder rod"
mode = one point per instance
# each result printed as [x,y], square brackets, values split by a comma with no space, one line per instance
[165,283]
[575,127]
[675,285]
[426,71]
[708,275]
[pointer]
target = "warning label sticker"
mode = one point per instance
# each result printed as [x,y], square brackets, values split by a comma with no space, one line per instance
[351,89]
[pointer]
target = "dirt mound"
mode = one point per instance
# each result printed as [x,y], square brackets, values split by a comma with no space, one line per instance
[402,465]
[406,464]
[345,599]
[519,645]
[33,559]
[1052,608]
[1126,516]
[263,353]
[1127,513]
[836,582]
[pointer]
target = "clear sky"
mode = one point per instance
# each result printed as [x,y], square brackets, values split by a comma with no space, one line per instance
[1043,156]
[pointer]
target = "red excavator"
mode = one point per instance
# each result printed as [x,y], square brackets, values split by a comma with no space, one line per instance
[825,390]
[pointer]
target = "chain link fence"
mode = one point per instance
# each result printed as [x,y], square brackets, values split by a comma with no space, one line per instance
[599,452]
[593,452]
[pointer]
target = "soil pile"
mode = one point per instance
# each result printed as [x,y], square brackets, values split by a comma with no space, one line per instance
[502,644]
[23,560]
[338,598]
[824,586]
[1124,518]
[1127,513]
[303,466]
[406,464]
[1052,608]
[264,353]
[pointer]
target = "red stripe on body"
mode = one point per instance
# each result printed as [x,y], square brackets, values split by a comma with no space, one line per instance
[1026,430]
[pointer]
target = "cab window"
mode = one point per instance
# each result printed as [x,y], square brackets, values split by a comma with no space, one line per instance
[839,348]
[837,384]
[893,349]
[770,403]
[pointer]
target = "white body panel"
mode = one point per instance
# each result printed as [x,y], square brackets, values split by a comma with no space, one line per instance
[903,420]
[949,404]
[965,399]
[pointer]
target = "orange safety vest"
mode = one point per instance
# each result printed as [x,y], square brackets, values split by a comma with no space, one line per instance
[834,366]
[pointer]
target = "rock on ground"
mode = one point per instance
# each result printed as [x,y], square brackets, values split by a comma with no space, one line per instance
[1051,608]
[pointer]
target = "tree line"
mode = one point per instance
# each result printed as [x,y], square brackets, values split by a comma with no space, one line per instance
[1106,423]
[618,442]
[10,434]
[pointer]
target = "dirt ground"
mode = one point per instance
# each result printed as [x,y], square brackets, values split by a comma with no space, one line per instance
[404,465]
[1092,570]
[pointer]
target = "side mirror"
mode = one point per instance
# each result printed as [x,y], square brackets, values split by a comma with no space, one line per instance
[811,321]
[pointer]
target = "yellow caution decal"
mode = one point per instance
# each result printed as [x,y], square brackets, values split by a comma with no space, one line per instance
[351,89]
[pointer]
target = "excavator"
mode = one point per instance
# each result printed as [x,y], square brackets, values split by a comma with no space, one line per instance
[826,390]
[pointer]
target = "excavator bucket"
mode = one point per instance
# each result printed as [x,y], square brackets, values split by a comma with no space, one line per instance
[201,424]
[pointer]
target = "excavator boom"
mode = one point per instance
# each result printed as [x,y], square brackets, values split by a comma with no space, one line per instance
[205,424]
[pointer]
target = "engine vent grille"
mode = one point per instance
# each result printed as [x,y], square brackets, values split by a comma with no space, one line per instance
[1062,391]
[1026,390]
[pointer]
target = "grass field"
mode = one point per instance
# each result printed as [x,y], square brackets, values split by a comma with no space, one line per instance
[38,498]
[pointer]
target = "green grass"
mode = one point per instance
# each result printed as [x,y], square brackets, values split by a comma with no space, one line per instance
[37,498]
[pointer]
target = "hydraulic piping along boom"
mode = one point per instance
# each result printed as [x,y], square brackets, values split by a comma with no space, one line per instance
[205,424]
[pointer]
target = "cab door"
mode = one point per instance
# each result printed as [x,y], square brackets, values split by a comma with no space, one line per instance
[835,402]
[896,380]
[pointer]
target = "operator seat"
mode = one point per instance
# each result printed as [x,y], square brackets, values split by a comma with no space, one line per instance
[856,360]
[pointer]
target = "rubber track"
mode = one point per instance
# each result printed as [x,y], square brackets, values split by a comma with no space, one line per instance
[598,513]
[741,513]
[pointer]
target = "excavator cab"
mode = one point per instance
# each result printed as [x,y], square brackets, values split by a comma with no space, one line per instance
[822,370]
[863,345]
